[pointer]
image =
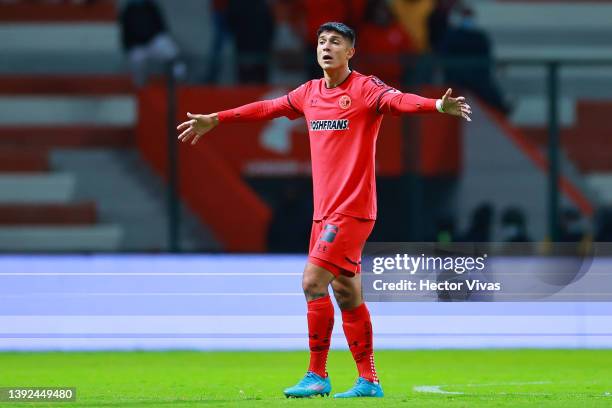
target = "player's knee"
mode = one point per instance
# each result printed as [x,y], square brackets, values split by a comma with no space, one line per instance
[313,288]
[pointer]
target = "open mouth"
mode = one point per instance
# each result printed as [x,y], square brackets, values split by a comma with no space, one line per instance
[327,58]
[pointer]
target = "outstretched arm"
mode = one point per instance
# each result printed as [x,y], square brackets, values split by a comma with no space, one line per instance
[197,125]
[395,102]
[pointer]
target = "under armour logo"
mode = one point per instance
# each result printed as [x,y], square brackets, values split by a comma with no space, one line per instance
[329,233]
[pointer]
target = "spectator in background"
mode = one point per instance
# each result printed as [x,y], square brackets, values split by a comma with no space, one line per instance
[438,23]
[145,39]
[469,62]
[572,228]
[574,236]
[514,225]
[252,25]
[413,16]
[445,229]
[288,46]
[603,224]
[383,44]
[480,226]
[219,36]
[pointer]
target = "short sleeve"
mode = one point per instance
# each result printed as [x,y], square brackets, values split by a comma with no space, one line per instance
[373,90]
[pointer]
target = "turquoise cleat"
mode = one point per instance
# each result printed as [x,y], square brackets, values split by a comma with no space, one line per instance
[362,388]
[312,384]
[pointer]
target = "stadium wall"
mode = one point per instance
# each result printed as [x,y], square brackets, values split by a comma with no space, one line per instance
[247,302]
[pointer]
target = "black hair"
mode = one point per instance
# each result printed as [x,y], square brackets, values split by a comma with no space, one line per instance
[341,28]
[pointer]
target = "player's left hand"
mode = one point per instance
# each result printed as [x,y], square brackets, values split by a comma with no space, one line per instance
[456,106]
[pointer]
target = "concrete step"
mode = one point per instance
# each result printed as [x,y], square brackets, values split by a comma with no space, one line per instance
[36,188]
[577,82]
[533,111]
[92,45]
[601,183]
[571,30]
[79,62]
[560,16]
[60,37]
[112,110]
[57,239]
[128,193]
[546,51]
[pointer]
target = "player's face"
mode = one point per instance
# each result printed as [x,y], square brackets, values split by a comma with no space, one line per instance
[333,50]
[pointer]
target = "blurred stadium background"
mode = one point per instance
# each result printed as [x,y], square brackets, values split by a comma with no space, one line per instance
[114,237]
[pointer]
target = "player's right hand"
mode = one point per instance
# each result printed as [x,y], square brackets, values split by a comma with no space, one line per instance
[196,126]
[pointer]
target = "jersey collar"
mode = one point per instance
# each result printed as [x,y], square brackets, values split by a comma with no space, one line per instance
[340,84]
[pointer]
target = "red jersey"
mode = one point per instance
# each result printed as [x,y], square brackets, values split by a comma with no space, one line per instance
[343,124]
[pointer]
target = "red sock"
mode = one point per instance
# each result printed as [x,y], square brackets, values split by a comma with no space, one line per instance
[320,324]
[358,331]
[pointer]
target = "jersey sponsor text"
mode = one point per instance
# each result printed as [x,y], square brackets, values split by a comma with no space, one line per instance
[333,124]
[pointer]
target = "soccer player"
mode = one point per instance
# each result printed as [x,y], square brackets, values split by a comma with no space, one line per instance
[343,111]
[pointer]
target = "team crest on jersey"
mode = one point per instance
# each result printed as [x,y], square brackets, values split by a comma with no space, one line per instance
[345,102]
[334,124]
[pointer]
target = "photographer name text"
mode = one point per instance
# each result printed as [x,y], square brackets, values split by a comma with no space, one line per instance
[431,285]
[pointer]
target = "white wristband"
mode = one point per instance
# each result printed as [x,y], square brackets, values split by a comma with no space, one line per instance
[439,106]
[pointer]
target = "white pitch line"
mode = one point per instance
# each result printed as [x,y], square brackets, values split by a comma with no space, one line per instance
[434,389]
[437,389]
[507,383]
[61,294]
[149,274]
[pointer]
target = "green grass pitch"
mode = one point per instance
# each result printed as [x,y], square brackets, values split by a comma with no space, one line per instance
[485,378]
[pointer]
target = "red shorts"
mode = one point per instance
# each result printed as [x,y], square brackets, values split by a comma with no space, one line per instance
[336,243]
